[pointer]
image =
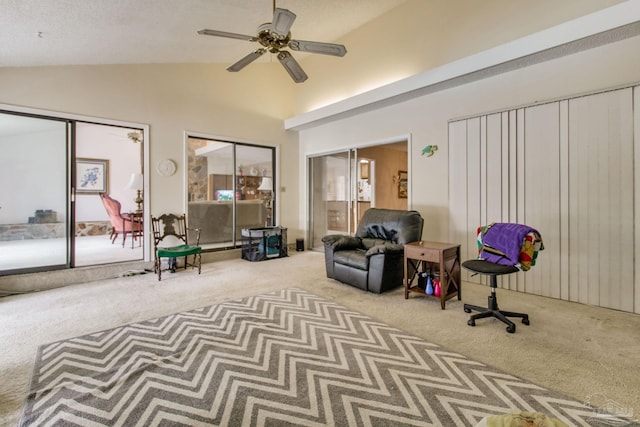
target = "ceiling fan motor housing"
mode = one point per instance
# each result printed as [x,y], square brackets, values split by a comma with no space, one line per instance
[272,40]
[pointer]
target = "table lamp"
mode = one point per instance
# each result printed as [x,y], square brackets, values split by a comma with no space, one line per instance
[136,183]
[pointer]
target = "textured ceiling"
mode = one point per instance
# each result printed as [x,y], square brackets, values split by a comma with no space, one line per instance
[67,32]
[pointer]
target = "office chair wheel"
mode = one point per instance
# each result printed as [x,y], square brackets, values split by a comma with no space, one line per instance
[511,328]
[525,321]
[471,322]
[467,310]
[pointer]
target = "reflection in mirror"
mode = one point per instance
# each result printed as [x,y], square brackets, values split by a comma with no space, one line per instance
[226,191]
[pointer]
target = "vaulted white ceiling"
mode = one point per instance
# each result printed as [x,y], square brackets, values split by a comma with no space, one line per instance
[68,32]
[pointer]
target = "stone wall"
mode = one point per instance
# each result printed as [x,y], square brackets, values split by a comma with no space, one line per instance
[93,228]
[51,230]
[197,170]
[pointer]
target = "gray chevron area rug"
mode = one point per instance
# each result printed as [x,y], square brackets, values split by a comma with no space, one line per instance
[288,358]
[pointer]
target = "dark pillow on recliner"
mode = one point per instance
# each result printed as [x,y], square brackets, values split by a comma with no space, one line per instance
[379,231]
[398,226]
[368,243]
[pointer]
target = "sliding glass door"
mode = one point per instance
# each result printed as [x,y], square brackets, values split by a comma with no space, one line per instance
[230,188]
[343,185]
[34,206]
[53,172]
[108,160]
[331,196]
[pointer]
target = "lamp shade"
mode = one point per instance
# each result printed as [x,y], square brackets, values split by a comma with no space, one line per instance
[135,182]
[266,184]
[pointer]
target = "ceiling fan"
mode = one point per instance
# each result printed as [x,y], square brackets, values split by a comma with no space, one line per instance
[275,36]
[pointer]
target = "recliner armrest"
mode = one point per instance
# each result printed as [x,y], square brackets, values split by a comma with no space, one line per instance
[340,242]
[386,248]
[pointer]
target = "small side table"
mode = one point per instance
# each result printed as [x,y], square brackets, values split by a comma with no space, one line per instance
[136,226]
[418,256]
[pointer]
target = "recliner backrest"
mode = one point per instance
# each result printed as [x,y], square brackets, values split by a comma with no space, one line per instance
[397,226]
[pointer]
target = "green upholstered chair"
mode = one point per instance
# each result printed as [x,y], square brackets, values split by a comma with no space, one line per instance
[170,238]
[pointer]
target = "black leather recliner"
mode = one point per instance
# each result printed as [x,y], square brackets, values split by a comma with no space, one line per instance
[373,259]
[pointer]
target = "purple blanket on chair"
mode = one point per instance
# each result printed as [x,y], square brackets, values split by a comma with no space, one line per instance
[502,242]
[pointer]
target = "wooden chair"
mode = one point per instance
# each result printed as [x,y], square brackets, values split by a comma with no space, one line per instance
[174,229]
[121,223]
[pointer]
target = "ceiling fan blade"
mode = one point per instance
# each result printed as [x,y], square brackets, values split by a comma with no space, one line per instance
[318,47]
[217,33]
[247,60]
[291,65]
[282,21]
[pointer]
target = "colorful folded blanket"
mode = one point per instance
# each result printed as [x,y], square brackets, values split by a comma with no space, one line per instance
[509,244]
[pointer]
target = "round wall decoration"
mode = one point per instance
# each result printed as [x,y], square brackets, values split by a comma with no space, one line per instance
[166,167]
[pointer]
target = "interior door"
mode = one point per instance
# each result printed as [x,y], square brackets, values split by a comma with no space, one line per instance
[34,202]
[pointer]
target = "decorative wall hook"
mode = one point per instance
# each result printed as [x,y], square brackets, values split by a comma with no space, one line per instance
[429,150]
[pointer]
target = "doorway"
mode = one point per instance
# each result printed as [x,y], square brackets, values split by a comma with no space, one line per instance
[344,184]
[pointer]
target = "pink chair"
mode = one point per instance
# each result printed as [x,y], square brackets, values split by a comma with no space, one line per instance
[121,223]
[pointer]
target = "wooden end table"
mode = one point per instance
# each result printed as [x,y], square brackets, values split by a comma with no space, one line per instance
[137,229]
[420,256]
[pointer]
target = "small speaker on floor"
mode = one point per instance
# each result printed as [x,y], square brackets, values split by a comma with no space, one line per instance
[299,245]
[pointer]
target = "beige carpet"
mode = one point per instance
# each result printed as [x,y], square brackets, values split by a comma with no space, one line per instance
[584,352]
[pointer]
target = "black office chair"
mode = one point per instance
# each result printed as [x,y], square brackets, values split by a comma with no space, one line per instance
[504,248]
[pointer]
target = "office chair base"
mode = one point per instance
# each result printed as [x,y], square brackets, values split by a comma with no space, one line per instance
[492,310]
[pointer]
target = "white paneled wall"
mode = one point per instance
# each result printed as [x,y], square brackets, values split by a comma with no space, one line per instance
[565,168]
[601,194]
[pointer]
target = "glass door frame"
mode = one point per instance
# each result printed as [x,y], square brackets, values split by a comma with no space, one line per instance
[71,120]
[234,241]
[354,154]
[351,192]
[67,203]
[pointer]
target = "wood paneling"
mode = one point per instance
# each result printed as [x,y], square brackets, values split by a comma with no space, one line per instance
[567,169]
[541,194]
[601,199]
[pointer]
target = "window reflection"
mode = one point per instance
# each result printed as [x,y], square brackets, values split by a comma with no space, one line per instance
[226,189]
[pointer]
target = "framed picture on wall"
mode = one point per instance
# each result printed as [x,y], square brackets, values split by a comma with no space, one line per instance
[402,184]
[92,176]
